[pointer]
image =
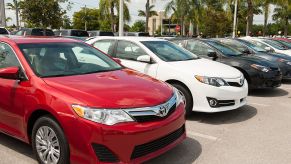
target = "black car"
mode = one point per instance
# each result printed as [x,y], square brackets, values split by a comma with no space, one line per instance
[72,33]
[260,73]
[100,33]
[34,32]
[247,48]
[4,31]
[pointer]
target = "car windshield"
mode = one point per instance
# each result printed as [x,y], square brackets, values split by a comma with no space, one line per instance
[253,46]
[226,50]
[66,59]
[235,44]
[287,44]
[169,52]
[276,45]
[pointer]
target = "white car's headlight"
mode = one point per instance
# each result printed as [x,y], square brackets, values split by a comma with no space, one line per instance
[260,68]
[179,97]
[102,116]
[214,81]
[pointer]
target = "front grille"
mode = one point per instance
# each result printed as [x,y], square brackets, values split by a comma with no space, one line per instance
[148,118]
[104,154]
[234,84]
[142,150]
[222,103]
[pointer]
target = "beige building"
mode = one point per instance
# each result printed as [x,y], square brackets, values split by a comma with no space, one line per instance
[155,23]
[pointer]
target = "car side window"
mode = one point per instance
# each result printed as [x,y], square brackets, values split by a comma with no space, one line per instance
[105,46]
[7,57]
[198,48]
[129,51]
[19,33]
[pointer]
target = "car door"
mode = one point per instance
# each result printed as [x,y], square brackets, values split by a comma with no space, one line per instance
[12,95]
[128,52]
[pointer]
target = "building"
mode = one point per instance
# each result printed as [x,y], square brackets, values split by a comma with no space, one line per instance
[2,13]
[155,23]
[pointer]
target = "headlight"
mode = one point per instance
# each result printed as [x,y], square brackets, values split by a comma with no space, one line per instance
[289,63]
[102,116]
[215,81]
[179,97]
[260,68]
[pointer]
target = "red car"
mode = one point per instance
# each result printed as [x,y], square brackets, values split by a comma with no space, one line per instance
[74,104]
[283,39]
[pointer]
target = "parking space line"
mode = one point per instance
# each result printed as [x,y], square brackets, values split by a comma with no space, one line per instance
[194,134]
[265,105]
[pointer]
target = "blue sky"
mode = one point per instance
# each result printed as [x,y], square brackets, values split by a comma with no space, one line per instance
[134,6]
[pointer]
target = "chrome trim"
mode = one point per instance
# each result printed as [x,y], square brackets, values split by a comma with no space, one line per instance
[159,110]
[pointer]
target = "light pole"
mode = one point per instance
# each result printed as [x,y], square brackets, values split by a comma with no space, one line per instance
[121,20]
[85,17]
[234,19]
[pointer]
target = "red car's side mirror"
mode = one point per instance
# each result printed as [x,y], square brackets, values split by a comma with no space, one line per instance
[117,60]
[9,73]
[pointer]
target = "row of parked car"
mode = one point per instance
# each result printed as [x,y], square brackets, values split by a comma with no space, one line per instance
[125,100]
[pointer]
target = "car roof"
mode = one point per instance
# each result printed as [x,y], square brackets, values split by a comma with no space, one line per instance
[32,39]
[129,38]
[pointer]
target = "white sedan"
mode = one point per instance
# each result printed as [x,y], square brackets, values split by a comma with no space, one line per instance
[269,45]
[206,86]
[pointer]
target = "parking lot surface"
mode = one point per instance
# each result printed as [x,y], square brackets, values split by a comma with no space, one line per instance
[258,133]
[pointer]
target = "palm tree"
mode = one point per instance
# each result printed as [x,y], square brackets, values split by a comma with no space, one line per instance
[108,7]
[283,13]
[266,11]
[149,12]
[180,9]
[15,5]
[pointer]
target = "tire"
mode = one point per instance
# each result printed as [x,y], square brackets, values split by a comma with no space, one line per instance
[56,147]
[188,97]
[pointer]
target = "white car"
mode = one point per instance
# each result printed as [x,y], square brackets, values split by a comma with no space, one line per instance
[206,86]
[268,45]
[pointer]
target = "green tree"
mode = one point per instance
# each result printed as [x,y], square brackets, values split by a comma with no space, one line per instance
[107,10]
[67,24]
[17,6]
[138,26]
[43,13]
[282,13]
[149,12]
[91,16]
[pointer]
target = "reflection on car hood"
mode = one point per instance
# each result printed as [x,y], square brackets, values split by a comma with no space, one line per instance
[117,89]
[205,67]
[257,60]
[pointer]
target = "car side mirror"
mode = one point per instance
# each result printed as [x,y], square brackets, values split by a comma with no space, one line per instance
[117,60]
[10,73]
[269,49]
[144,58]
[212,55]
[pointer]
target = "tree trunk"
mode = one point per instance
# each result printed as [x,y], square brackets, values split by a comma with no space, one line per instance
[197,29]
[266,16]
[250,17]
[147,15]
[17,14]
[286,27]
[112,17]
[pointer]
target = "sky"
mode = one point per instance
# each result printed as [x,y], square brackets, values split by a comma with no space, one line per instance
[134,6]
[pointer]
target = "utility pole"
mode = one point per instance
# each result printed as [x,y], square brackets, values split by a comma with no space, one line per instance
[235,19]
[85,17]
[2,13]
[121,20]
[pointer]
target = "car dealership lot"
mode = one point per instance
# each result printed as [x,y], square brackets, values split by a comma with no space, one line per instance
[257,133]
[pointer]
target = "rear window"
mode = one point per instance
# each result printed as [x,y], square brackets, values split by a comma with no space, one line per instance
[106,34]
[3,31]
[79,33]
[144,34]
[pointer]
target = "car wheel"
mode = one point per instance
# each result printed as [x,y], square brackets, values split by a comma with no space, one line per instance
[187,98]
[49,142]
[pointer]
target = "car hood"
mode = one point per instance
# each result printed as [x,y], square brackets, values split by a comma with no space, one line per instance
[257,60]
[205,67]
[114,90]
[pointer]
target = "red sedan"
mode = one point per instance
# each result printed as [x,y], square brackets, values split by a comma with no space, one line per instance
[74,104]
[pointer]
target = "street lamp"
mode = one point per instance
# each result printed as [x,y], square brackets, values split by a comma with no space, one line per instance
[235,19]
[121,19]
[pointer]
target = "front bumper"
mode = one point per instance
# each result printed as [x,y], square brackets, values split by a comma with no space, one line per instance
[272,79]
[286,71]
[225,93]
[122,140]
